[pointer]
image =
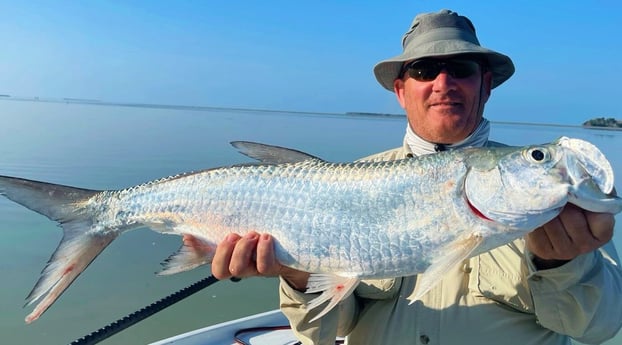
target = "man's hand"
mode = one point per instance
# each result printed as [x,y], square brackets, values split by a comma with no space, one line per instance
[253,255]
[572,233]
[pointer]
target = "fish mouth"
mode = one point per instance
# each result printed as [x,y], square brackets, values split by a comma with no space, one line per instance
[587,195]
[591,177]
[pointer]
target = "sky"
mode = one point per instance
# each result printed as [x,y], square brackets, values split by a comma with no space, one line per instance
[302,55]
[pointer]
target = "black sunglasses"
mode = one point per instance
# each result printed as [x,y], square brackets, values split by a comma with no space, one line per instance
[428,69]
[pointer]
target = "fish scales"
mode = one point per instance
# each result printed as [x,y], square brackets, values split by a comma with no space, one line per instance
[345,231]
[342,222]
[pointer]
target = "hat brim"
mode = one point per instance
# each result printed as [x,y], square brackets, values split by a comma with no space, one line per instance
[499,64]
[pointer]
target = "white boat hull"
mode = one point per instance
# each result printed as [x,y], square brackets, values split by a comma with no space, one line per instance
[224,333]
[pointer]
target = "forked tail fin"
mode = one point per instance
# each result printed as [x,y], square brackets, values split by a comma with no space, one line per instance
[79,246]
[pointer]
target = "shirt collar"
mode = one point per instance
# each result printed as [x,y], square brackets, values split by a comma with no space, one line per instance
[415,145]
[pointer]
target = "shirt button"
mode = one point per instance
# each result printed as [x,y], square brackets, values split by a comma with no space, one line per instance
[424,339]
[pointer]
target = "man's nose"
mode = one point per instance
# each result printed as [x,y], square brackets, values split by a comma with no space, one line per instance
[444,81]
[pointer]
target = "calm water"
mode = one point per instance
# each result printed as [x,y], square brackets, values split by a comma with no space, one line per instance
[106,147]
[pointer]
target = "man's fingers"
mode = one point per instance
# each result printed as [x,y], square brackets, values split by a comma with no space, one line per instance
[222,257]
[539,243]
[572,233]
[601,225]
[267,265]
[587,230]
[242,262]
[561,243]
[575,224]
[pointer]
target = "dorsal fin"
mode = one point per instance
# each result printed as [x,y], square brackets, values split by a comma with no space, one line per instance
[270,153]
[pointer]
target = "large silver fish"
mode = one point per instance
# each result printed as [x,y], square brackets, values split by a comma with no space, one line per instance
[343,222]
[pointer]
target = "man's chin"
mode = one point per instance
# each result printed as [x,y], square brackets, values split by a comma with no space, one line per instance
[453,131]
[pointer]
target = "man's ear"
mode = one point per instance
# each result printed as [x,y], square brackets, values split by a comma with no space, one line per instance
[487,87]
[398,88]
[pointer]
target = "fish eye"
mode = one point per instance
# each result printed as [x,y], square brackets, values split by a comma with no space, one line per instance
[537,154]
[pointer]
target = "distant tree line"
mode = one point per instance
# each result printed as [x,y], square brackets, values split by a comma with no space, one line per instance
[603,122]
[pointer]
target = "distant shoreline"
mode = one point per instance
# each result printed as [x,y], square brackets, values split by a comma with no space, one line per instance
[602,122]
[67,100]
[603,127]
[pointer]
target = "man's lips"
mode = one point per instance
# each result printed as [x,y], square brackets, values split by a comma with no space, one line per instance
[445,104]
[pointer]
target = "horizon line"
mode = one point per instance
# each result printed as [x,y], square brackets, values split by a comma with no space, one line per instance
[86,101]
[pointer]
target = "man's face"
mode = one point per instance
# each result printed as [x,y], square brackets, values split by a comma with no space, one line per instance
[446,108]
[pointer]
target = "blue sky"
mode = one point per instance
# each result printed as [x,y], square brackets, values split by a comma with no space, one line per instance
[302,55]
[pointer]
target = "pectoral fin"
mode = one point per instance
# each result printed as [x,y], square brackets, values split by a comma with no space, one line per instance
[447,258]
[333,288]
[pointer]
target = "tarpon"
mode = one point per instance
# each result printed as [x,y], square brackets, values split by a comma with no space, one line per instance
[342,222]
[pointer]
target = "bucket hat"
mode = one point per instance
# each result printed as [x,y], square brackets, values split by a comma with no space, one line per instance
[439,34]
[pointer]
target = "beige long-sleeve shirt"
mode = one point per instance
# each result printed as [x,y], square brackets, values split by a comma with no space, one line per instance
[498,297]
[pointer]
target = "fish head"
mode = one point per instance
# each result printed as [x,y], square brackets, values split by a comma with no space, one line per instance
[523,188]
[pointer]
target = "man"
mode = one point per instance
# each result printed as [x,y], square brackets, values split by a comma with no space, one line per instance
[557,283]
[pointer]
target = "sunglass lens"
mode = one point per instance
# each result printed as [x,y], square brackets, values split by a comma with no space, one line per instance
[462,69]
[424,70]
[427,70]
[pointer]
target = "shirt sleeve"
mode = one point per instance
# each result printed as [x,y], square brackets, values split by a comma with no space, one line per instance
[581,298]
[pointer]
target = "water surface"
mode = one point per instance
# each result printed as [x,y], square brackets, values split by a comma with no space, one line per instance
[109,147]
